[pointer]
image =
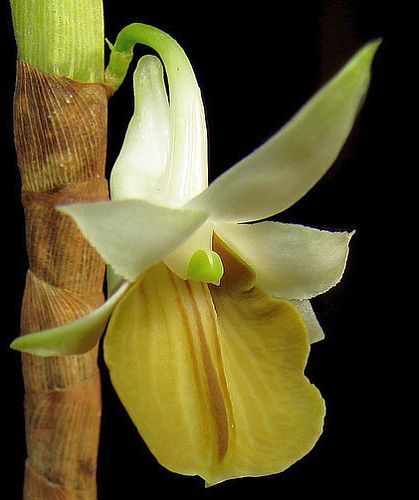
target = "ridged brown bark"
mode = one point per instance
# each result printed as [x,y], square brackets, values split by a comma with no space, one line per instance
[60,135]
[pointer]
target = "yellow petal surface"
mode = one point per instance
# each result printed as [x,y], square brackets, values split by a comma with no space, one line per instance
[278,414]
[213,378]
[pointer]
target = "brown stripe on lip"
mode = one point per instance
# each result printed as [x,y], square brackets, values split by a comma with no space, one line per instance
[189,333]
[217,402]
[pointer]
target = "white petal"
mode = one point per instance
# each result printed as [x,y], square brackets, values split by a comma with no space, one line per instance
[76,337]
[189,155]
[290,261]
[315,331]
[141,167]
[283,169]
[132,235]
[167,166]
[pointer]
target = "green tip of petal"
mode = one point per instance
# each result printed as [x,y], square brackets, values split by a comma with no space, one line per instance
[77,337]
[367,52]
[360,65]
[205,266]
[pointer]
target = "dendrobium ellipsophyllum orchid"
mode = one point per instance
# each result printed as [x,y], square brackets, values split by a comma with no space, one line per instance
[210,316]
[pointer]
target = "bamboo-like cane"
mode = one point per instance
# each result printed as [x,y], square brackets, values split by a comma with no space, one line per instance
[60,134]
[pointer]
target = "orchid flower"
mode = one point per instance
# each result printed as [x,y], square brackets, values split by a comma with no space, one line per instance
[210,316]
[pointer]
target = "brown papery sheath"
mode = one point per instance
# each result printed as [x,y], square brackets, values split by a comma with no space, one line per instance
[60,131]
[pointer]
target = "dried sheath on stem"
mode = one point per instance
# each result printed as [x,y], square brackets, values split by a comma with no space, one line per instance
[60,134]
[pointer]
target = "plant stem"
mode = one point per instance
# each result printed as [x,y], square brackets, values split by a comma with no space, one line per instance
[60,134]
[61,37]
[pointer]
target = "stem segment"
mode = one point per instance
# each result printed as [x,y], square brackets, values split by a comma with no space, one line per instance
[61,37]
[60,135]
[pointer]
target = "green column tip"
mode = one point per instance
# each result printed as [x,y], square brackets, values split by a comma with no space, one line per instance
[205,266]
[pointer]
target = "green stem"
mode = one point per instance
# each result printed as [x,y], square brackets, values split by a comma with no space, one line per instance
[168,49]
[61,37]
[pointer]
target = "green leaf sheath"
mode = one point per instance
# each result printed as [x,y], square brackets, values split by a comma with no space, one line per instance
[64,38]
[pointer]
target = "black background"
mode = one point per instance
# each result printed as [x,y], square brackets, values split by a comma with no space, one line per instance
[256,66]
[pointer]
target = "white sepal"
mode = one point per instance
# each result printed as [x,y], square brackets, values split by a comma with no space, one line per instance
[132,235]
[315,331]
[290,261]
[284,168]
[77,337]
